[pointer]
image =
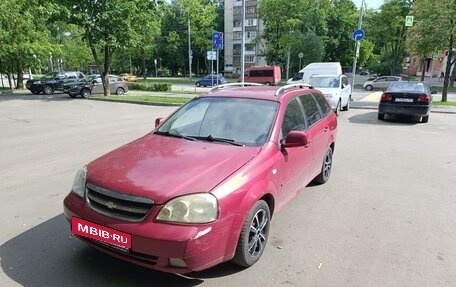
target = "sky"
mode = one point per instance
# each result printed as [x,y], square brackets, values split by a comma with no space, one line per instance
[371,4]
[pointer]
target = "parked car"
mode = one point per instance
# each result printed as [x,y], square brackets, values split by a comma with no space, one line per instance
[210,80]
[381,82]
[406,98]
[129,77]
[336,88]
[364,72]
[93,85]
[202,187]
[52,82]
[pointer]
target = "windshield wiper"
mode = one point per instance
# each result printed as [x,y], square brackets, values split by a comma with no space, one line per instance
[174,135]
[210,138]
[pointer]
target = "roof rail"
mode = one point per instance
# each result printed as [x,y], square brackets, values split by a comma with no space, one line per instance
[219,87]
[296,85]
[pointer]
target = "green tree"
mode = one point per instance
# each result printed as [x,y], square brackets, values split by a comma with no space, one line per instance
[109,26]
[24,36]
[435,29]
[386,29]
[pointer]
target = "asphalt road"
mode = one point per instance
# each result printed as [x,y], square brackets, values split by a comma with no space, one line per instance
[387,216]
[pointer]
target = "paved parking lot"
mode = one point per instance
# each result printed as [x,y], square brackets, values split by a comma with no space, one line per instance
[387,216]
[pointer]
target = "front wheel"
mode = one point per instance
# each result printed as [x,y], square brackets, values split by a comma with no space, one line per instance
[254,235]
[120,91]
[85,93]
[369,88]
[47,90]
[325,168]
[198,84]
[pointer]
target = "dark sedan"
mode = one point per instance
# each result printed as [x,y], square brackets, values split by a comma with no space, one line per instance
[93,85]
[406,98]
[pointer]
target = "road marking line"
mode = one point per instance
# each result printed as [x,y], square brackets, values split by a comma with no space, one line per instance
[374,97]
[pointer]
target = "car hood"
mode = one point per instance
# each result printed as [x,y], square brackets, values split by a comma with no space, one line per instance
[160,167]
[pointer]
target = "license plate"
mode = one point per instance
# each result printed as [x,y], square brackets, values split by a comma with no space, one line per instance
[100,233]
[404,100]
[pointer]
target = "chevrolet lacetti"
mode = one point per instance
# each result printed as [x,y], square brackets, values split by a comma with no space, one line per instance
[201,188]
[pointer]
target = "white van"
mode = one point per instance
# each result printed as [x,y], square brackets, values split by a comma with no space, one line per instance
[328,68]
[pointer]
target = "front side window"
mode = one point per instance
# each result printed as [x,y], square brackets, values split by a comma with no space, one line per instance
[242,121]
[311,109]
[293,119]
[324,106]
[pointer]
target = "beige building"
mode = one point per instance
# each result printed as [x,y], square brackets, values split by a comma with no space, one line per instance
[233,36]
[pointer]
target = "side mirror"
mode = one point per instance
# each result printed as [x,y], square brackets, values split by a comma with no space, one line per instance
[158,121]
[295,139]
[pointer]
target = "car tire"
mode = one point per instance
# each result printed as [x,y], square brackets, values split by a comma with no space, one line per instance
[425,119]
[85,93]
[120,91]
[337,111]
[326,167]
[254,235]
[47,90]
[369,88]
[381,117]
[267,84]
[198,84]
[347,107]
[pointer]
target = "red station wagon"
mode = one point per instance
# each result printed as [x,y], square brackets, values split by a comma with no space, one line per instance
[202,187]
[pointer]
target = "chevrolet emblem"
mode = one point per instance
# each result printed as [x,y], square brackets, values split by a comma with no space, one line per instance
[111,205]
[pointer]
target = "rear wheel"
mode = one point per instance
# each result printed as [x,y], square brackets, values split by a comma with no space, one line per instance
[47,90]
[325,168]
[337,111]
[254,235]
[381,116]
[425,119]
[198,84]
[120,91]
[267,84]
[347,107]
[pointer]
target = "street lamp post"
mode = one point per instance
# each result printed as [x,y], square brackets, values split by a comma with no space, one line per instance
[243,43]
[190,53]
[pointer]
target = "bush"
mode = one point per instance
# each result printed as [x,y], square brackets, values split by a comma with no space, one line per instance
[155,87]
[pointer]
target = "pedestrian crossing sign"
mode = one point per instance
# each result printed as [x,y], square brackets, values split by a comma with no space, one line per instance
[408,21]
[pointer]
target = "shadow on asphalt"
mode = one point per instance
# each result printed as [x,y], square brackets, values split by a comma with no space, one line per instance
[31,97]
[47,255]
[370,118]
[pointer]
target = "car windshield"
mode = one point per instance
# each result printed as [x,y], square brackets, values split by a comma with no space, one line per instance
[324,82]
[238,121]
[49,76]
[406,87]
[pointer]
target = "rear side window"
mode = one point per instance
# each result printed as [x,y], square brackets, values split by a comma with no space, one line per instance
[311,109]
[324,106]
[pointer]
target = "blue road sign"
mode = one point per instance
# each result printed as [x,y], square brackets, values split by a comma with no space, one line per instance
[358,35]
[217,40]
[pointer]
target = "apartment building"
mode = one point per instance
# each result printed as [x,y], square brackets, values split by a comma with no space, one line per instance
[233,36]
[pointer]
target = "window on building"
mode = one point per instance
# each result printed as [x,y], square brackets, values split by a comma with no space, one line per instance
[250,47]
[237,23]
[251,34]
[249,59]
[250,9]
[251,22]
[237,11]
[237,35]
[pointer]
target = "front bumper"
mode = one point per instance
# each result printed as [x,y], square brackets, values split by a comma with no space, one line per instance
[410,110]
[154,243]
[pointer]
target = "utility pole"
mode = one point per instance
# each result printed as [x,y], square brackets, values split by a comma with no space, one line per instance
[356,52]
[243,43]
[190,53]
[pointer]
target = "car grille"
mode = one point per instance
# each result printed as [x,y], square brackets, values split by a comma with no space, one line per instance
[118,205]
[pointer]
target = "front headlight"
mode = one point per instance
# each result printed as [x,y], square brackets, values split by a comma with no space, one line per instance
[193,208]
[80,182]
